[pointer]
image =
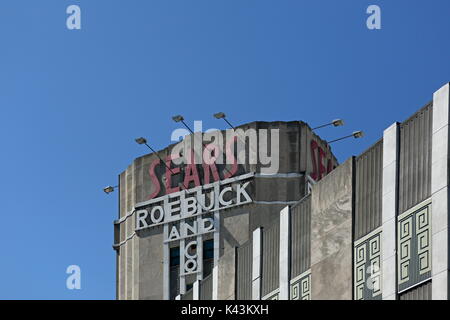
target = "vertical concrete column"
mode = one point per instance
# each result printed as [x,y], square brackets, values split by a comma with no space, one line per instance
[215,274]
[196,290]
[125,257]
[284,253]
[182,262]
[125,247]
[199,253]
[389,212]
[256,264]
[439,194]
[166,267]
[215,284]
[119,272]
[182,277]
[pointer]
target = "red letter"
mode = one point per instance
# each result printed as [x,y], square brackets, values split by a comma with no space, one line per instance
[191,173]
[154,178]
[169,174]
[209,163]
[322,168]
[231,158]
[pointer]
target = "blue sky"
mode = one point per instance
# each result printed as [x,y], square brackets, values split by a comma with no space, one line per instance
[72,101]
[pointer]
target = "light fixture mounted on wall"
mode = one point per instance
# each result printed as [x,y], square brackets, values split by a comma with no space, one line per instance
[335,122]
[221,115]
[355,134]
[109,189]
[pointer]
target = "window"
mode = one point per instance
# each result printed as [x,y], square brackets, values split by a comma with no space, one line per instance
[174,272]
[174,256]
[208,249]
[208,257]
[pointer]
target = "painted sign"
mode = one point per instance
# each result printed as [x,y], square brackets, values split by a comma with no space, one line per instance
[193,202]
[189,214]
[321,161]
[188,173]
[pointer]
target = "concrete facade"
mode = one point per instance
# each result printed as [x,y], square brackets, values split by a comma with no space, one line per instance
[256,264]
[331,235]
[143,264]
[374,227]
[284,260]
[440,193]
[389,211]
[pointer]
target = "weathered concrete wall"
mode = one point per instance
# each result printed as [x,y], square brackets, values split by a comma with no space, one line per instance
[227,276]
[234,232]
[151,267]
[140,263]
[440,193]
[331,235]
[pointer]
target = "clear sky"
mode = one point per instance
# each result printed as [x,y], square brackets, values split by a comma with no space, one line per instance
[72,102]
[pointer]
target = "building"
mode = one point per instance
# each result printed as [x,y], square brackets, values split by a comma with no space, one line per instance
[289,223]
